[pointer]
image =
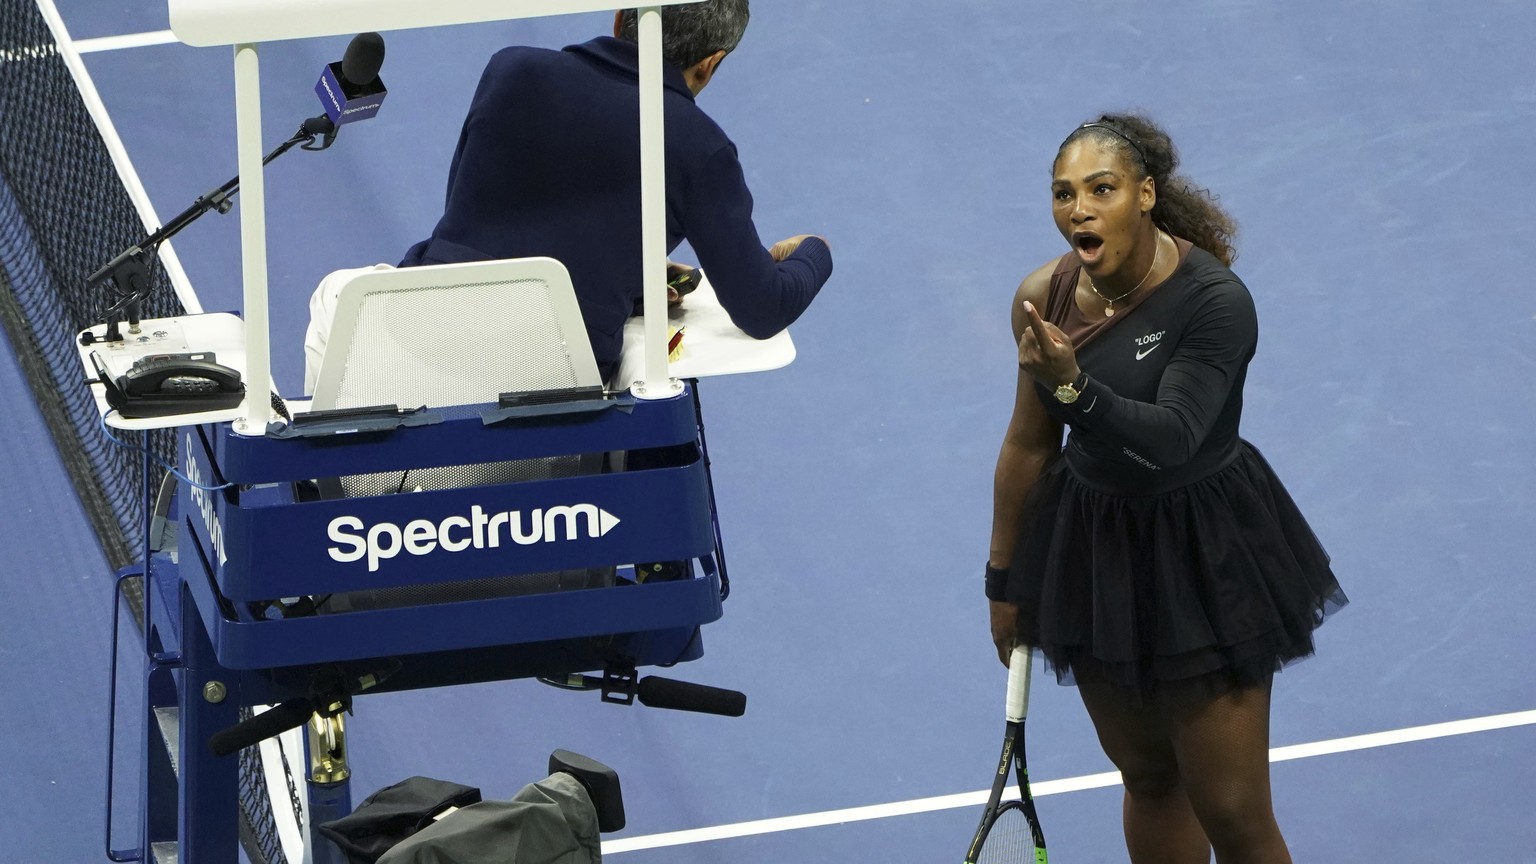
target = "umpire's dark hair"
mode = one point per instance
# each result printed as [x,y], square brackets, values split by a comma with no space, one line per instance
[692,31]
[1183,208]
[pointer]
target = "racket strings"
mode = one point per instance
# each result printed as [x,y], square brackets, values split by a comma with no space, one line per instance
[1010,839]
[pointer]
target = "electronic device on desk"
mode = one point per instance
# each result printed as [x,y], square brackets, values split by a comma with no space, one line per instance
[159,385]
[685,281]
[681,281]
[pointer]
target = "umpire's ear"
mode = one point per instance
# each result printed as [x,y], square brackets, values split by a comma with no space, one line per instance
[699,74]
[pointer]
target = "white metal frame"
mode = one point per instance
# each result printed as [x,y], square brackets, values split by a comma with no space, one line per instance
[246,23]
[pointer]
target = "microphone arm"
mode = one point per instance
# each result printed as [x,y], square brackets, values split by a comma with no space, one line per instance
[128,274]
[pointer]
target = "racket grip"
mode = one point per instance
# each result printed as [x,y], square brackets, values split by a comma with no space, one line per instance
[1018,682]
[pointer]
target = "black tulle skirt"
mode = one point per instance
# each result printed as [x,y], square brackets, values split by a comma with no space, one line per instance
[1220,581]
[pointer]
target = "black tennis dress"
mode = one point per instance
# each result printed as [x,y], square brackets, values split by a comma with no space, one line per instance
[1160,546]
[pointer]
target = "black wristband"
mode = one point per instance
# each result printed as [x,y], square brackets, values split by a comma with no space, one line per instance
[997,582]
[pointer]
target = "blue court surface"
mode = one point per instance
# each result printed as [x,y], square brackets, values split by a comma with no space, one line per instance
[1376,155]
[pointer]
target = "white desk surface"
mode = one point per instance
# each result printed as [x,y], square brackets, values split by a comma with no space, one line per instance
[711,346]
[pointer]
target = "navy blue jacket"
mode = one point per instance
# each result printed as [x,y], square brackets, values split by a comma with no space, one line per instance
[548,163]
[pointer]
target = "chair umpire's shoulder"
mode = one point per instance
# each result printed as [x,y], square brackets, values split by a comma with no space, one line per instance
[698,149]
[527,53]
[698,132]
[517,59]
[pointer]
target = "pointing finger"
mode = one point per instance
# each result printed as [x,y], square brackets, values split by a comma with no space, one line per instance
[1038,325]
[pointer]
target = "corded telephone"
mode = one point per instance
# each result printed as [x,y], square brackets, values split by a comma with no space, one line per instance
[158,385]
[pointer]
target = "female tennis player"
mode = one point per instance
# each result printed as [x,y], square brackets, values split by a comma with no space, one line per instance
[1155,560]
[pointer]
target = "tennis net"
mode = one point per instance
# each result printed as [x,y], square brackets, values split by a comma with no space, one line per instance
[64,212]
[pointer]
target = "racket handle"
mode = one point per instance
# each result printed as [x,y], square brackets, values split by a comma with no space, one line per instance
[1018,682]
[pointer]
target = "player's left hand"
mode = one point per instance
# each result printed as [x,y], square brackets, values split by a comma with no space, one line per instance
[1045,352]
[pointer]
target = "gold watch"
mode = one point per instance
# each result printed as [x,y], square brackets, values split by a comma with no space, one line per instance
[1067,393]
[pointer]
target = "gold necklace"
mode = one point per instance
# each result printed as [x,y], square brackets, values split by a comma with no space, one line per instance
[1109,308]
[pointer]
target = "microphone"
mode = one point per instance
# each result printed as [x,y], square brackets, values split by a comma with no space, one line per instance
[350,90]
[683,696]
[363,58]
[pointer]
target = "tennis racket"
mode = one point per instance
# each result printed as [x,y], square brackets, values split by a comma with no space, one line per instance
[1010,831]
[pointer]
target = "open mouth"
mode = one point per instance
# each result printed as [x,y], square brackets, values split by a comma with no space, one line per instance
[1088,245]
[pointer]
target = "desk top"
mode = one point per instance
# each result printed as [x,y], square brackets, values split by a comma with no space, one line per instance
[711,345]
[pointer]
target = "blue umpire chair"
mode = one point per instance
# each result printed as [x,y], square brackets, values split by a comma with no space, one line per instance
[462,503]
[455,507]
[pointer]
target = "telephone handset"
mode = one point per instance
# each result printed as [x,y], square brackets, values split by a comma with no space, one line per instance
[158,385]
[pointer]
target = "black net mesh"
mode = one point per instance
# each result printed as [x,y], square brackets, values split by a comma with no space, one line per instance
[258,828]
[64,212]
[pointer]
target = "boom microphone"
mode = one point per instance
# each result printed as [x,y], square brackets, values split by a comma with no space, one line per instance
[683,696]
[350,90]
[364,58]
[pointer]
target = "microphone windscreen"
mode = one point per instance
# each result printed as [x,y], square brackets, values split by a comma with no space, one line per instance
[683,696]
[364,57]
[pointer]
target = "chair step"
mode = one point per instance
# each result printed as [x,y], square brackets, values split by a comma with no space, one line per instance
[169,721]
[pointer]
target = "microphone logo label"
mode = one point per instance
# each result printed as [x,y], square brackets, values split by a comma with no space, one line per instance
[345,102]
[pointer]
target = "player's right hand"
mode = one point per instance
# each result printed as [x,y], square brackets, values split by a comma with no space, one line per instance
[785,248]
[1005,627]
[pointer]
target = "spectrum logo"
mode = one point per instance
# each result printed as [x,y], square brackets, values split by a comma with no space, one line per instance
[202,501]
[382,541]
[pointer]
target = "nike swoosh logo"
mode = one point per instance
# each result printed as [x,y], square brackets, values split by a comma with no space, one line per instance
[1091,404]
[1141,354]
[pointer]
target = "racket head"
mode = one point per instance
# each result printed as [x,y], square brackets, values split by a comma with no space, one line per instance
[1009,838]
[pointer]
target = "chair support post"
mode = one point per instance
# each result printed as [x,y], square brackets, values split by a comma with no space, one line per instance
[657,382]
[253,243]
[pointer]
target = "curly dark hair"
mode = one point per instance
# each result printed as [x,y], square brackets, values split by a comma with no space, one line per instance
[1183,208]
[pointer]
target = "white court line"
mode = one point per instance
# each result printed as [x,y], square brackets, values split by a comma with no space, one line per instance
[1049,787]
[98,110]
[126,40]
